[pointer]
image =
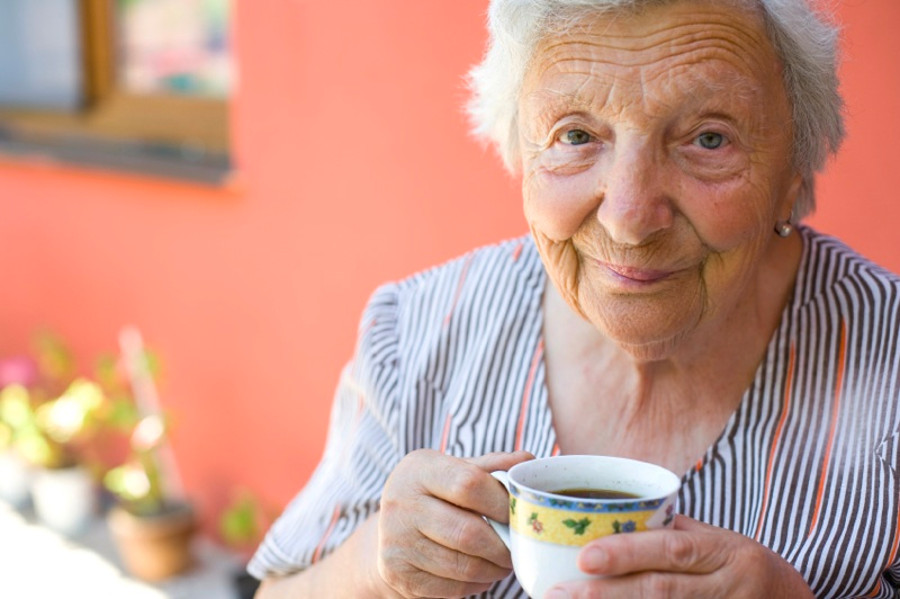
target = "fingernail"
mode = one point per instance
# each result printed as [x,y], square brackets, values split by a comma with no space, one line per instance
[557,594]
[593,558]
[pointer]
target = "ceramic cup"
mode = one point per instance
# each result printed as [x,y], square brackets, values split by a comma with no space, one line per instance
[547,530]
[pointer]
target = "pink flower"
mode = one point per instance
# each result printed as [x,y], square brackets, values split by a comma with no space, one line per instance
[19,369]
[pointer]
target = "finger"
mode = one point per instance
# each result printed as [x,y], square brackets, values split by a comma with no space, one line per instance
[467,483]
[500,460]
[435,557]
[467,534]
[691,549]
[492,462]
[413,582]
[645,584]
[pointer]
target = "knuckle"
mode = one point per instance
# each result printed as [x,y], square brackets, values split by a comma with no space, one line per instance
[391,577]
[467,536]
[467,480]
[682,551]
[420,455]
[467,567]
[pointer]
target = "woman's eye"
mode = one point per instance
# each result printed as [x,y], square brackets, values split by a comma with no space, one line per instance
[710,140]
[577,137]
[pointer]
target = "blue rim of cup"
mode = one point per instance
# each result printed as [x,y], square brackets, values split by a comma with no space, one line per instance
[561,502]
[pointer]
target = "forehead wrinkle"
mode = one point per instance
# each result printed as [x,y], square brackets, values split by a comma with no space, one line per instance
[621,40]
[696,77]
[601,90]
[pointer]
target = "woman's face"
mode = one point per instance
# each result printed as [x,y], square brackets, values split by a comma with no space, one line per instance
[656,159]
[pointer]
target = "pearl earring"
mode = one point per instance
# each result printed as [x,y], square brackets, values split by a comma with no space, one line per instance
[783,228]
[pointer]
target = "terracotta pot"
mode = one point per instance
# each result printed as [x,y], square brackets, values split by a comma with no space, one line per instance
[154,547]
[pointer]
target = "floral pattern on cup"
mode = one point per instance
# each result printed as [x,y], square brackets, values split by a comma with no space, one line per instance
[567,525]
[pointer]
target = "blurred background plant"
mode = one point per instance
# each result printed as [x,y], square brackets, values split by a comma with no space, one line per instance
[244,521]
[144,481]
[138,484]
[53,416]
[61,429]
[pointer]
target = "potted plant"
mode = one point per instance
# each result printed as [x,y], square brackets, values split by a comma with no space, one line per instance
[151,524]
[51,419]
[22,384]
[15,418]
[55,441]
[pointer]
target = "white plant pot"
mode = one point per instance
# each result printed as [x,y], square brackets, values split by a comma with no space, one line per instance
[15,479]
[65,499]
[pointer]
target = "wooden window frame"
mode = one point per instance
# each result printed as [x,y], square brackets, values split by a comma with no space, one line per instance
[166,135]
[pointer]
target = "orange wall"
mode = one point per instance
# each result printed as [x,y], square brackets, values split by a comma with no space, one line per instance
[355,168]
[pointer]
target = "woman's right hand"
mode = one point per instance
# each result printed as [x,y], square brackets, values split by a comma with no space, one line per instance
[432,539]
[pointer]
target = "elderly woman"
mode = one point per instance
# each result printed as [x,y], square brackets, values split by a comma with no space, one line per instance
[667,306]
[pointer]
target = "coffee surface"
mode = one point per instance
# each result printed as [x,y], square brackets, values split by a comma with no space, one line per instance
[587,493]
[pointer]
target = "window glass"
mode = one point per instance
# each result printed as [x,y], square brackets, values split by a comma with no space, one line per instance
[174,47]
[40,54]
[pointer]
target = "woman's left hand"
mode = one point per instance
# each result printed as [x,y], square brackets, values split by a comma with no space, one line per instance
[691,560]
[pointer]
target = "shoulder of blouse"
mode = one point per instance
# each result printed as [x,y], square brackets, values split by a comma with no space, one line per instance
[426,301]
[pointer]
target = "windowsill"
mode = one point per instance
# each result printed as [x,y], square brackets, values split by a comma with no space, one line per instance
[37,562]
[156,160]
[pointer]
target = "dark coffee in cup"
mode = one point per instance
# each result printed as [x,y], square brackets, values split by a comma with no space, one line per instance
[587,493]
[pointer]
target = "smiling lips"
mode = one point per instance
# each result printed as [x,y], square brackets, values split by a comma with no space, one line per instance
[636,275]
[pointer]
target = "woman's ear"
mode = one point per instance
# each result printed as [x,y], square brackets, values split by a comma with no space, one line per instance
[786,210]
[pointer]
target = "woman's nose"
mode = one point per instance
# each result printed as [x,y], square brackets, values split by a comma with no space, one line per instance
[634,204]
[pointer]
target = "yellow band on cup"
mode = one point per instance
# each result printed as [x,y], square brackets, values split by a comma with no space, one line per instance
[575,523]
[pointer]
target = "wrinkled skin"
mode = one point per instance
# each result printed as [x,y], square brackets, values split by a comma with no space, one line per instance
[656,159]
[432,540]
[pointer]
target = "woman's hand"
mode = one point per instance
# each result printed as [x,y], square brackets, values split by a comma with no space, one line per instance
[693,560]
[432,540]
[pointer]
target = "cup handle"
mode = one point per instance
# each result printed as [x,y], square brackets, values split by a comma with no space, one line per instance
[501,529]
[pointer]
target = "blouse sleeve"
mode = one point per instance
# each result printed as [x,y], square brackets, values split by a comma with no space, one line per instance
[362,448]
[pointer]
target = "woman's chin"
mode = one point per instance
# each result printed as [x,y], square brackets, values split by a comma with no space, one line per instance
[648,339]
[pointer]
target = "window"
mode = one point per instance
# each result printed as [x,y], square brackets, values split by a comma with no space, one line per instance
[135,85]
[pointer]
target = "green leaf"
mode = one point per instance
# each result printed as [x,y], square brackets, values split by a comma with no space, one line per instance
[579,526]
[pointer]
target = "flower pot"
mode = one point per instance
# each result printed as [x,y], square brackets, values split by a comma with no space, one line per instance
[15,479]
[65,499]
[157,546]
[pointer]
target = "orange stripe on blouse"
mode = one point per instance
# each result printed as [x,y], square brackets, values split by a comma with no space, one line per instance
[835,411]
[459,286]
[877,590]
[518,251]
[368,327]
[321,546]
[526,396]
[445,435]
[786,404]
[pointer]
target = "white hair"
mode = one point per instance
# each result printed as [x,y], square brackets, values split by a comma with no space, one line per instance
[804,38]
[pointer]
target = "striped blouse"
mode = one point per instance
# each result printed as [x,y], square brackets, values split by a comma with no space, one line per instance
[452,359]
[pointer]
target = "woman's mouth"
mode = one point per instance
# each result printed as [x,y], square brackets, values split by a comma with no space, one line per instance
[641,276]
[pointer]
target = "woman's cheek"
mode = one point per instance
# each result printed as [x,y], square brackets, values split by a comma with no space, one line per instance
[557,205]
